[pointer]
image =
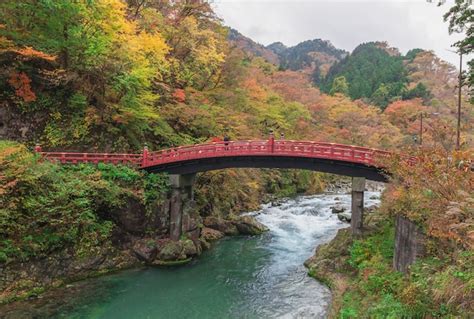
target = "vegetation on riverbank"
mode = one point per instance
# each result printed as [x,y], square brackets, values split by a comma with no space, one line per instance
[440,200]
[47,207]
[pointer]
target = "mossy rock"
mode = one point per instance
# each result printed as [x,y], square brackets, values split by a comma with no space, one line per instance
[189,248]
[171,250]
[170,263]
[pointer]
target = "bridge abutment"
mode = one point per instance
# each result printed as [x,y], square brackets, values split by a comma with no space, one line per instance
[181,195]
[357,205]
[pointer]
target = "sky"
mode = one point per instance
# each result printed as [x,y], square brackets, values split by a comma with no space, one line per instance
[405,24]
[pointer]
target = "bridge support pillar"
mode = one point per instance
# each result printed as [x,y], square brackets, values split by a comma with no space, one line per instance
[181,191]
[358,187]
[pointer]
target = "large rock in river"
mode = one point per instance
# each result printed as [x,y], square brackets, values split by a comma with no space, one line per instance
[345,217]
[337,209]
[248,225]
[171,250]
[209,234]
[222,225]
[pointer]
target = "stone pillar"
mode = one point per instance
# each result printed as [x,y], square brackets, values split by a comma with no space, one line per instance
[181,191]
[358,187]
[409,243]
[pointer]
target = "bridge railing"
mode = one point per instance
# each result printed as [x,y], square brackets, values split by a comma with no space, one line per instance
[266,147]
[269,147]
[95,158]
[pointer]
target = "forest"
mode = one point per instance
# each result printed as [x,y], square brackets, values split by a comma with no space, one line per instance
[113,76]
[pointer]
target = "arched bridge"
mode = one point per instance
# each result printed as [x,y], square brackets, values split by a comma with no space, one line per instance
[339,159]
[183,162]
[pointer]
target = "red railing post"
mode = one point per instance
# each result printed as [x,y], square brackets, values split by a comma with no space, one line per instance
[272,141]
[37,148]
[145,156]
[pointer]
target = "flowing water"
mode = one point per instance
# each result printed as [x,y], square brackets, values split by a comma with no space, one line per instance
[241,277]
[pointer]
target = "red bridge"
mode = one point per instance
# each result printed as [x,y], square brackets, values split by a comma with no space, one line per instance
[325,157]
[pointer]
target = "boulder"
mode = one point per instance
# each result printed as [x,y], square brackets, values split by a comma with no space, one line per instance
[248,225]
[171,250]
[222,225]
[209,234]
[345,216]
[145,250]
[337,209]
[205,245]
[189,249]
[194,234]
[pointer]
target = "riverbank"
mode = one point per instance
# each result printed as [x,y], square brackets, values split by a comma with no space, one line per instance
[364,285]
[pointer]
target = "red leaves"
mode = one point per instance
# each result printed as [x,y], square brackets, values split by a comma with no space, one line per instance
[21,83]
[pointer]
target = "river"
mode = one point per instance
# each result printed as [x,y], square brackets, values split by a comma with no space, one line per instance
[240,277]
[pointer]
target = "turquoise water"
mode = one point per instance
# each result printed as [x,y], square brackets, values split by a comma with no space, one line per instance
[240,277]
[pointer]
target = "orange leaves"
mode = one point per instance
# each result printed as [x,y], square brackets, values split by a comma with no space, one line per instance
[402,113]
[436,192]
[21,83]
[179,95]
[255,90]
[32,53]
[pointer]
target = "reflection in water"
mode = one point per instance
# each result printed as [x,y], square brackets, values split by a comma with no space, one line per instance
[242,277]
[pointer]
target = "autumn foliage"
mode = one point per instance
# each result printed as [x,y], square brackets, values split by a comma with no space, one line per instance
[21,83]
[436,191]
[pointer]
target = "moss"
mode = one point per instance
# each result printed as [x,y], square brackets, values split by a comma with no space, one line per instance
[171,262]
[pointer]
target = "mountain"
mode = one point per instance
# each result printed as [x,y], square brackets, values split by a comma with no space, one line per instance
[251,47]
[308,55]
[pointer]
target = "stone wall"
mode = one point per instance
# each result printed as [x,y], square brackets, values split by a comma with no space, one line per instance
[409,243]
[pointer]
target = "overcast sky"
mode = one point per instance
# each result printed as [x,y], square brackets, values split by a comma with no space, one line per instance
[405,24]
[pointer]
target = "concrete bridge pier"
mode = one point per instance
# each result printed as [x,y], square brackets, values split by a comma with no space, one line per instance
[181,192]
[358,187]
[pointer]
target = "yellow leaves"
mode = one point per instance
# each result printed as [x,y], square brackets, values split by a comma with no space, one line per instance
[11,153]
[198,52]
[5,43]
[152,45]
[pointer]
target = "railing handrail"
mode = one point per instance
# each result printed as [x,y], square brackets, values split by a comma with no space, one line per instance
[352,153]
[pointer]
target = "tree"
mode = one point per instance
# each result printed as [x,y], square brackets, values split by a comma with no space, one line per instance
[381,96]
[369,65]
[461,19]
[420,90]
[339,85]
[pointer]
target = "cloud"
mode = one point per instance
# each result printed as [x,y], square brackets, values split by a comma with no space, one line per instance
[346,23]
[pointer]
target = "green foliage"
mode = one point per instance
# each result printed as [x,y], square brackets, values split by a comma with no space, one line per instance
[419,91]
[339,85]
[461,21]
[287,183]
[434,287]
[368,71]
[48,207]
